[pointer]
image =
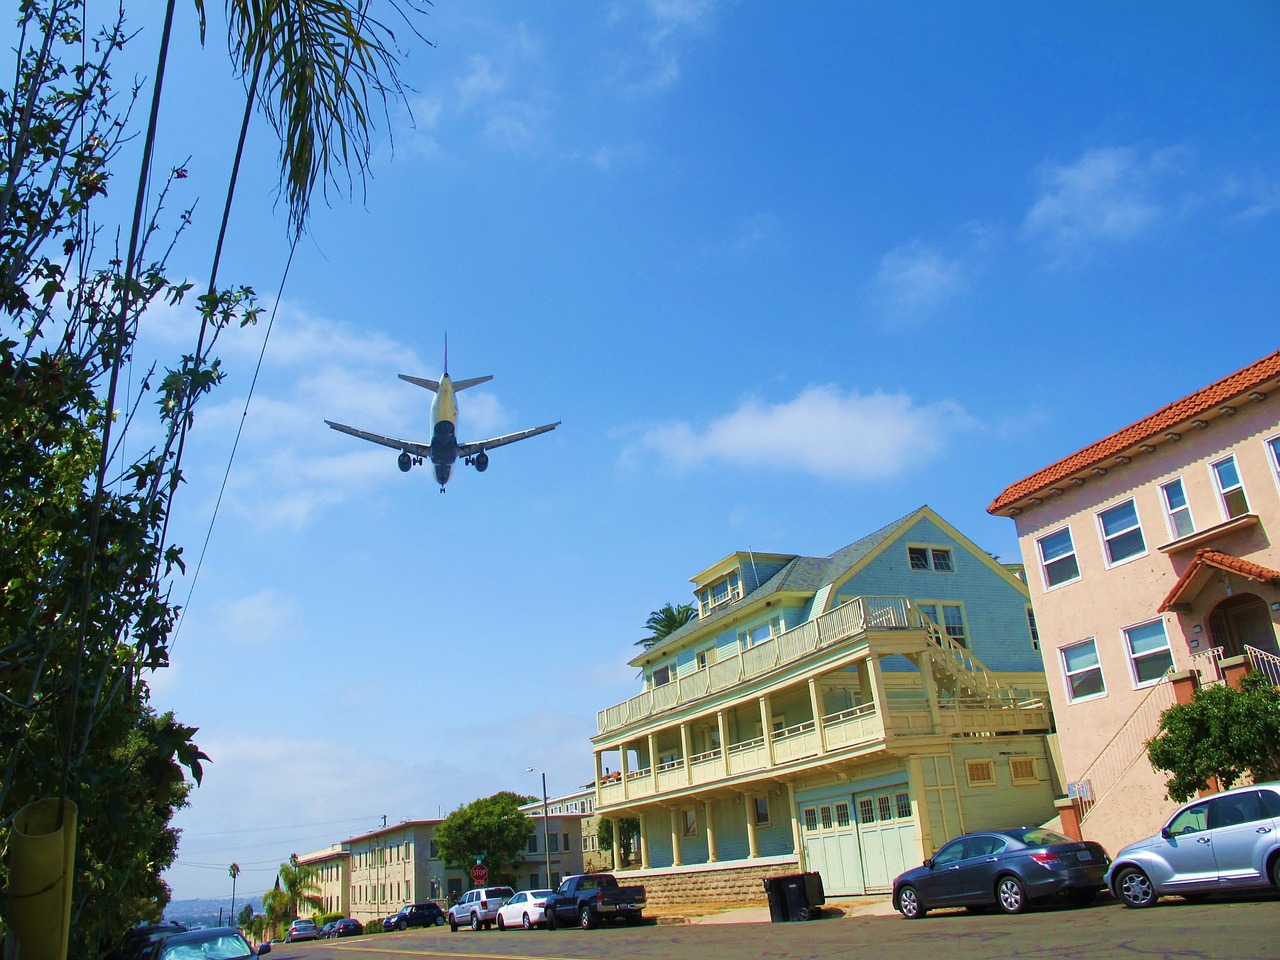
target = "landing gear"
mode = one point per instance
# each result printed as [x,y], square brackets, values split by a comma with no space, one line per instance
[480,461]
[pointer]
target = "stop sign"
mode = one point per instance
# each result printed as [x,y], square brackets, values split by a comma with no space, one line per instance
[479,874]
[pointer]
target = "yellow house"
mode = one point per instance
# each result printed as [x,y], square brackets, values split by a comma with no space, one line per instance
[845,714]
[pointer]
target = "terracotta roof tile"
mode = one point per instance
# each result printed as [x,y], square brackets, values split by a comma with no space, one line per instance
[1206,557]
[1179,412]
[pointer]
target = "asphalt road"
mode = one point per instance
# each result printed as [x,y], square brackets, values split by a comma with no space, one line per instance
[1242,929]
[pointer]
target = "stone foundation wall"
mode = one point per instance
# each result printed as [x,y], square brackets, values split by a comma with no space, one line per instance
[740,884]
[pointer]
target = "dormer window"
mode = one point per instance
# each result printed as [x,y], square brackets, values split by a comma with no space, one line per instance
[664,675]
[724,591]
[930,558]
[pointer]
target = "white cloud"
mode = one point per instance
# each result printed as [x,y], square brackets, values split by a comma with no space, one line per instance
[1110,194]
[914,280]
[823,432]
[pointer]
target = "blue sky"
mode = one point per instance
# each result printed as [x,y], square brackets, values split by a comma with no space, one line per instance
[785,273]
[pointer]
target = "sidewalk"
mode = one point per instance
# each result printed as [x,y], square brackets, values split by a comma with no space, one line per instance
[841,908]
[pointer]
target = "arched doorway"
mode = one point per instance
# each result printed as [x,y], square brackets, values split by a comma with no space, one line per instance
[1240,620]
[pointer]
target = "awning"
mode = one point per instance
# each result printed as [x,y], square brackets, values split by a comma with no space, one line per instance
[1206,561]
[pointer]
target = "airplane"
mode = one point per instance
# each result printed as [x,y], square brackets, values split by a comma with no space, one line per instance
[443,450]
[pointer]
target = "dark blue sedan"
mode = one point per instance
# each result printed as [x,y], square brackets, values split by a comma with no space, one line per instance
[1005,868]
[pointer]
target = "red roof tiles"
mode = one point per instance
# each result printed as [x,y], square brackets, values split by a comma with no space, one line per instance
[1206,557]
[1181,411]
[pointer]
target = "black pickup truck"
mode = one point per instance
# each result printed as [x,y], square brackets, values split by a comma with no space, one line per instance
[588,898]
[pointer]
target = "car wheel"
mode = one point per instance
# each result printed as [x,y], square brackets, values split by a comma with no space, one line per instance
[1135,888]
[1010,895]
[402,925]
[524,922]
[502,924]
[550,917]
[1081,898]
[453,923]
[587,919]
[475,922]
[439,919]
[1275,872]
[909,904]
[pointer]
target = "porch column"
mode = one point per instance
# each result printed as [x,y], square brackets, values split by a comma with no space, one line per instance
[753,840]
[599,755]
[875,681]
[653,761]
[722,723]
[766,726]
[622,769]
[712,853]
[684,752]
[795,826]
[925,666]
[644,841]
[677,817]
[815,702]
[616,829]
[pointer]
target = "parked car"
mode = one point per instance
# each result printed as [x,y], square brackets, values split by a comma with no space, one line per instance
[588,899]
[478,908]
[347,927]
[327,930]
[414,915]
[138,941]
[525,909]
[301,930]
[1005,868]
[1230,841]
[215,943]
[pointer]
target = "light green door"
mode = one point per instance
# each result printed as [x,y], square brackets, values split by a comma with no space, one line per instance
[888,835]
[831,845]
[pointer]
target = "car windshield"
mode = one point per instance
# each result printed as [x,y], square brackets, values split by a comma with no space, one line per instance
[1039,837]
[226,946]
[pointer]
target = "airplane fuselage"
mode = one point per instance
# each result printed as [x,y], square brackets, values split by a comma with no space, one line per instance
[444,430]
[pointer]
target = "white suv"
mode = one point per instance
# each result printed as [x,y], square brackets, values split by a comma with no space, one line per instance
[478,908]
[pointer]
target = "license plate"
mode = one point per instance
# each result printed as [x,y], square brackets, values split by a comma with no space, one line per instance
[1084,855]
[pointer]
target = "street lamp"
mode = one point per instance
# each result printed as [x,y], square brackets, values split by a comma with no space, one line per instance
[546,843]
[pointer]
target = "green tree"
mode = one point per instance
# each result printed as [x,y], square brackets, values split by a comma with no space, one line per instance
[665,621]
[277,907]
[85,561]
[628,830]
[491,830]
[1223,733]
[245,917]
[299,882]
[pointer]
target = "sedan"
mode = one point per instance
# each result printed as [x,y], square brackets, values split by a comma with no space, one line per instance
[302,930]
[1005,868]
[525,909]
[347,927]
[217,943]
[1230,841]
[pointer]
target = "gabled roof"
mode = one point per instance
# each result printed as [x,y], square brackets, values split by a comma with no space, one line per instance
[1206,560]
[1203,403]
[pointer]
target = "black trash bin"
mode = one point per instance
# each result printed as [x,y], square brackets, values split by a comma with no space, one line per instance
[813,891]
[776,891]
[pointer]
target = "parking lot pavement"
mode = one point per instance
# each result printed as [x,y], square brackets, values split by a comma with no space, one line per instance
[845,907]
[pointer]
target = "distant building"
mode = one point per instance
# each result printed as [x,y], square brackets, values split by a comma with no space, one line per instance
[1152,555]
[846,714]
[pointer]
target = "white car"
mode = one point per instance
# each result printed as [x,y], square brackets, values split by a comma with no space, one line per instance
[525,909]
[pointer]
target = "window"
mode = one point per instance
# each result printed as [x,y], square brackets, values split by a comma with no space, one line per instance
[885,807]
[866,810]
[691,823]
[719,593]
[533,843]
[664,675]
[842,815]
[705,658]
[1230,489]
[1273,455]
[1194,819]
[1176,509]
[1031,625]
[1022,770]
[810,819]
[566,843]
[903,802]
[1058,557]
[435,851]
[1083,670]
[981,773]
[930,558]
[1121,532]
[953,623]
[553,841]
[765,631]
[762,811]
[1148,651]
[825,813]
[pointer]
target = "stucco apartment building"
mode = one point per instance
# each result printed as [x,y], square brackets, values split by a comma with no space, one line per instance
[845,714]
[1152,555]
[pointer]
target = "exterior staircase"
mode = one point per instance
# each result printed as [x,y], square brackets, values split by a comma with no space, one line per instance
[958,672]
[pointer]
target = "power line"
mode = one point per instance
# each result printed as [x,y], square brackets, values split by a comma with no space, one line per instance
[287,826]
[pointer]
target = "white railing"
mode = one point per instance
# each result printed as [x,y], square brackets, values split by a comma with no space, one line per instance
[1208,666]
[1268,663]
[850,619]
[1125,748]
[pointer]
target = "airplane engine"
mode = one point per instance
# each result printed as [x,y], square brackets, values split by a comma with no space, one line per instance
[404,461]
[482,461]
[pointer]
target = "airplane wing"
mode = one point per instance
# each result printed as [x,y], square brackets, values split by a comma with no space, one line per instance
[471,449]
[412,447]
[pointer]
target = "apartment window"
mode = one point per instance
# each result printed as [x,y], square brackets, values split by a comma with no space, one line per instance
[765,631]
[1083,670]
[566,843]
[981,773]
[1176,509]
[1058,557]
[533,881]
[1121,532]
[1273,455]
[1230,489]
[930,558]
[533,843]
[1149,651]
[1022,770]
[762,811]
[1031,625]
[435,851]
[953,623]
[691,823]
[553,839]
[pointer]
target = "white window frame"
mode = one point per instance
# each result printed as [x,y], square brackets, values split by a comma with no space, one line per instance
[1224,492]
[1032,628]
[1170,510]
[747,638]
[704,657]
[1044,563]
[940,607]
[1273,457]
[1107,540]
[1133,657]
[1068,674]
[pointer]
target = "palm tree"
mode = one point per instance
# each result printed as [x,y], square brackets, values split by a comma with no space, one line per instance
[665,621]
[299,882]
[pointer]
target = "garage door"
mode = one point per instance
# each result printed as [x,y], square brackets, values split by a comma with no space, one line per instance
[887,834]
[831,845]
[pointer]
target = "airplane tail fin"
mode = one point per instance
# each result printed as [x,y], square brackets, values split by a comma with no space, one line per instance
[463,384]
[432,385]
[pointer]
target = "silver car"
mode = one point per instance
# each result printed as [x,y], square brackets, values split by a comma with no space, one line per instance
[1230,841]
